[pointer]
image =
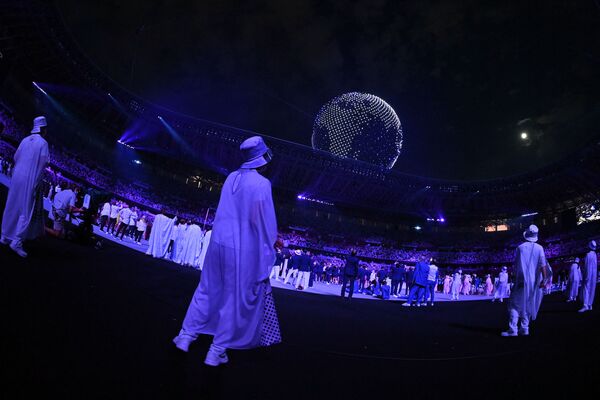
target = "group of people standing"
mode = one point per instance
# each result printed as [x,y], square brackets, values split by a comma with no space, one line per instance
[119,220]
[179,240]
[459,284]
[582,281]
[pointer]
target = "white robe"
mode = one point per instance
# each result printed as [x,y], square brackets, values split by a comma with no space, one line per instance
[525,294]
[180,238]
[456,283]
[590,276]
[230,300]
[23,215]
[205,243]
[502,286]
[192,246]
[574,280]
[160,236]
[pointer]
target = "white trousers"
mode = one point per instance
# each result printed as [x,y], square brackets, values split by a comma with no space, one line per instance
[285,263]
[514,317]
[275,272]
[303,278]
[292,273]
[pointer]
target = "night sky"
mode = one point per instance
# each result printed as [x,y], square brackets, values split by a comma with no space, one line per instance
[464,77]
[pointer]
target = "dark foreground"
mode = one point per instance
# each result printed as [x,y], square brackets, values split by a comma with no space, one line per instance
[86,323]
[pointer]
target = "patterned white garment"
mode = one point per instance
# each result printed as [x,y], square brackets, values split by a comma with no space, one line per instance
[269,331]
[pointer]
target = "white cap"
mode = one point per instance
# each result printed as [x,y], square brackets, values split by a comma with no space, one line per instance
[592,244]
[38,122]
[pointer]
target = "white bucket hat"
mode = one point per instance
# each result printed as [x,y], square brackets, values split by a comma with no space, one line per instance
[592,244]
[38,122]
[531,234]
[255,152]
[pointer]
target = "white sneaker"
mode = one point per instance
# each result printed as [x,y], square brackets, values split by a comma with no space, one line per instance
[508,333]
[213,359]
[584,309]
[182,343]
[524,333]
[17,248]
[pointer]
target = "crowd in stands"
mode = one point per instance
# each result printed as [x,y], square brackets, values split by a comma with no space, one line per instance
[66,168]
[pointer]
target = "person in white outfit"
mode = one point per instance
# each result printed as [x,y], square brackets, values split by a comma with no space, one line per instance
[104,215]
[501,291]
[124,216]
[132,221]
[160,236]
[456,284]
[574,280]
[530,274]
[141,226]
[590,277]
[23,217]
[112,218]
[233,301]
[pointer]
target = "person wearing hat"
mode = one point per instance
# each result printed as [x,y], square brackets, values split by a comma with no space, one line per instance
[24,214]
[233,301]
[501,291]
[530,271]
[590,273]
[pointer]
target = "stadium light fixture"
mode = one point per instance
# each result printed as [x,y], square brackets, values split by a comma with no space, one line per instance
[524,135]
[39,88]
[529,214]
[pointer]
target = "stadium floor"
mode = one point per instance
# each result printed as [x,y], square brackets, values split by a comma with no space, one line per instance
[86,323]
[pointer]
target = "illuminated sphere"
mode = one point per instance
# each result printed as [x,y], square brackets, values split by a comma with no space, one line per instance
[361,127]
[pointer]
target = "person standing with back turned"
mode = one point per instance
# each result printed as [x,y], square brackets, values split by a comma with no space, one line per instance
[233,301]
[24,214]
[530,274]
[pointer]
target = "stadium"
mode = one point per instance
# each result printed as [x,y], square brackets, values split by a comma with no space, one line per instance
[89,314]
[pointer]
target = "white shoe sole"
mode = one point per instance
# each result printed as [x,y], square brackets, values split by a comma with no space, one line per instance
[215,361]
